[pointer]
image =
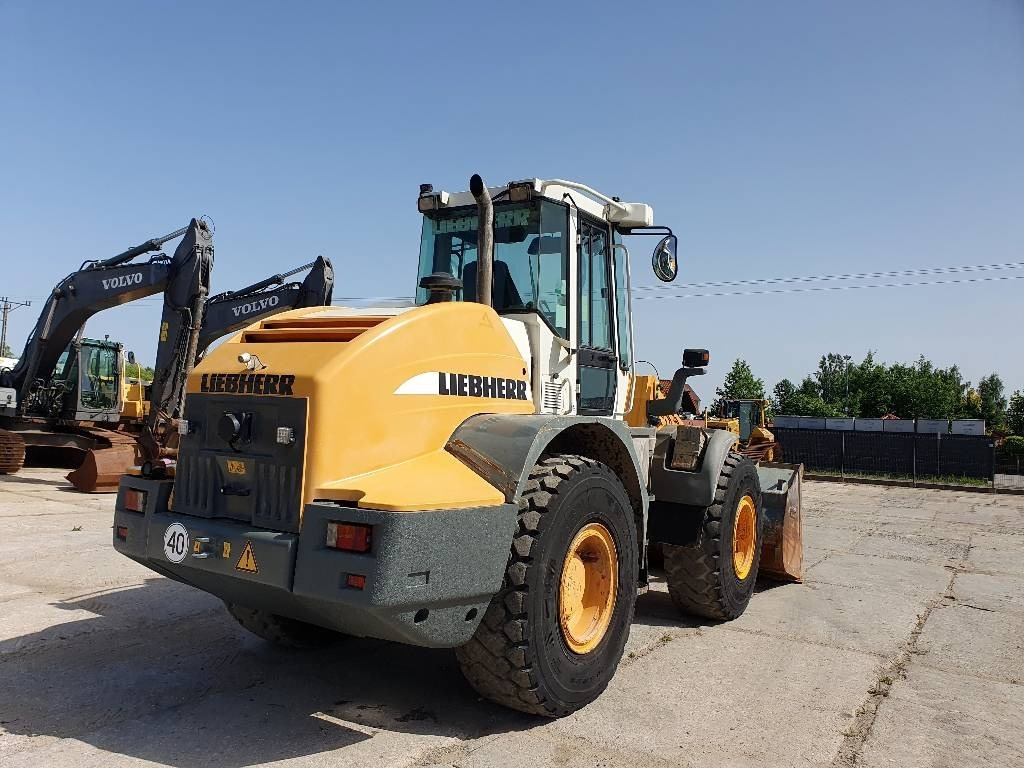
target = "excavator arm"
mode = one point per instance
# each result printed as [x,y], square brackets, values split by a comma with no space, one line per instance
[181,323]
[231,311]
[220,315]
[95,286]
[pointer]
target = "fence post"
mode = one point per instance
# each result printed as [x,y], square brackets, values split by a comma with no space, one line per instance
[913,441]
[842,458]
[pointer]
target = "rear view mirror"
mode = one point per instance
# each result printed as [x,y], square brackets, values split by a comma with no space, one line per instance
[131,357]
[663,262]
[696,358]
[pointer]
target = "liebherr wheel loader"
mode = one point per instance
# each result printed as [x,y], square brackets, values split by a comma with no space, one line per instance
[460,473]
[225,313]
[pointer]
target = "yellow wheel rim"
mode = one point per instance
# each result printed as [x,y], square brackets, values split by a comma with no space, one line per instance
[586,595]
[744,537]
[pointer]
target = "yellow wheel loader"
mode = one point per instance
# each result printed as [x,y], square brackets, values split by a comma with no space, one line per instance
[748,421]
[461,473]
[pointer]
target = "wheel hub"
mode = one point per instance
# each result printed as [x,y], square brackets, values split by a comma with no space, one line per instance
[744,537]
[586,597]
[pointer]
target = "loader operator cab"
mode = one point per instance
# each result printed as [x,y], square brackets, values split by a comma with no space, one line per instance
[560,269]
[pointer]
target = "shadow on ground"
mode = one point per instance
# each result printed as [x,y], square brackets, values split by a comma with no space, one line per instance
[59,484]
[162,673]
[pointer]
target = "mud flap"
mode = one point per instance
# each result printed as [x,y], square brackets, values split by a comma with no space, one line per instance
[102,469]
[782,549]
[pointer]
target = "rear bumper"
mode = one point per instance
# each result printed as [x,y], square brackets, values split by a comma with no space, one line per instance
[429,576]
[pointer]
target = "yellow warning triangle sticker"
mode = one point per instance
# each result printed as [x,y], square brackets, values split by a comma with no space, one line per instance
[247,562]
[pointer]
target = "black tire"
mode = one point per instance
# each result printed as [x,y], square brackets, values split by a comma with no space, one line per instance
[701,579]
[281,630]
[518,656]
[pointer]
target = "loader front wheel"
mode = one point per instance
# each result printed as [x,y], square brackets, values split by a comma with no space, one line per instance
[281,630]
[715,576]
[553,635]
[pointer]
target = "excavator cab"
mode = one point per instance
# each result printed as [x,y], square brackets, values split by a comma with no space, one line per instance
[87,383]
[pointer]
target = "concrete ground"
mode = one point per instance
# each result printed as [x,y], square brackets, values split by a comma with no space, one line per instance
[905,647]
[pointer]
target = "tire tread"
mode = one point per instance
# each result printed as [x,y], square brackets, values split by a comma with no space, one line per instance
[694,574]
[496,661]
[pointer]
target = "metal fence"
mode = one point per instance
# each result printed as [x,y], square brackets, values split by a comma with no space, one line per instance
[909,456]
[1009,465]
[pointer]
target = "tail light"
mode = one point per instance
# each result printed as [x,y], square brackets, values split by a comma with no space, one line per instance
[349,537]
[355,581]
[135,500]
[122,532]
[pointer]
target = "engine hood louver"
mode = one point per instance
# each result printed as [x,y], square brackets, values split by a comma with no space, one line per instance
[313,329]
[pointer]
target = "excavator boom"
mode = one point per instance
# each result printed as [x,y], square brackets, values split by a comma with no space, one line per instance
[96,286]
[221,315]
[231,311]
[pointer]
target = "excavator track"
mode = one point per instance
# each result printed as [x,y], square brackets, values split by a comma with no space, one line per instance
[12,452]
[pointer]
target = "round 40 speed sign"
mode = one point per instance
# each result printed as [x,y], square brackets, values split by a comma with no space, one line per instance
[175,542]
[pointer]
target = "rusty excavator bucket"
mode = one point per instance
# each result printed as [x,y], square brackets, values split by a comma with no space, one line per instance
[102,468]
[782,549]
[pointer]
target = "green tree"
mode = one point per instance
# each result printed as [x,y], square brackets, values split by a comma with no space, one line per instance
[1015,413]
[869,396]
[5,350]
[784,397]
[832,377]
[804,400]
[740,383]
[993,401]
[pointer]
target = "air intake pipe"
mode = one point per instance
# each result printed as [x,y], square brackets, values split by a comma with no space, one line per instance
[485,239]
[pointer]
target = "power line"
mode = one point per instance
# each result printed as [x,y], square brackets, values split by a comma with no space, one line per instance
[924,271]
[821,288]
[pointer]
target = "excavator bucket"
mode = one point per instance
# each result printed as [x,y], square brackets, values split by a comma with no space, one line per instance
[782,548]
[102,469]
[12,452]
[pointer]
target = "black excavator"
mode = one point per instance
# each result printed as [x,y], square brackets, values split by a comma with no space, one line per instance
[223,314]
[33,407]
[67,392]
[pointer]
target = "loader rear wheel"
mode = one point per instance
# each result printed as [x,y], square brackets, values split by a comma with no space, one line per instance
[281,630]
[715,577]
[553,635]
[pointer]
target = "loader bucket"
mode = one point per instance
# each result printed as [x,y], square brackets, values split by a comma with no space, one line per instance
[782,548]
[102,469]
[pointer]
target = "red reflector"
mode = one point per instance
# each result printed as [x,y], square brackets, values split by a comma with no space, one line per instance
[356,581]
[122,532]
[351,537]
[135,500]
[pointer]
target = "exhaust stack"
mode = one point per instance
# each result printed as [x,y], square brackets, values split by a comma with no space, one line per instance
[485,239]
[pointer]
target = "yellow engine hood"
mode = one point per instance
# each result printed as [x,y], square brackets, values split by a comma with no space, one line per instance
[385,392]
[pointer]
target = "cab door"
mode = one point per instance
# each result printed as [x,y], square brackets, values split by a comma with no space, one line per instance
[597,362]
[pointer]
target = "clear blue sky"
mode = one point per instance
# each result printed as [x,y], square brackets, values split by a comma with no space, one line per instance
[782,138]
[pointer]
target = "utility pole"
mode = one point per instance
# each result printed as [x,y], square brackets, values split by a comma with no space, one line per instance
[8,307]
[846,405]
